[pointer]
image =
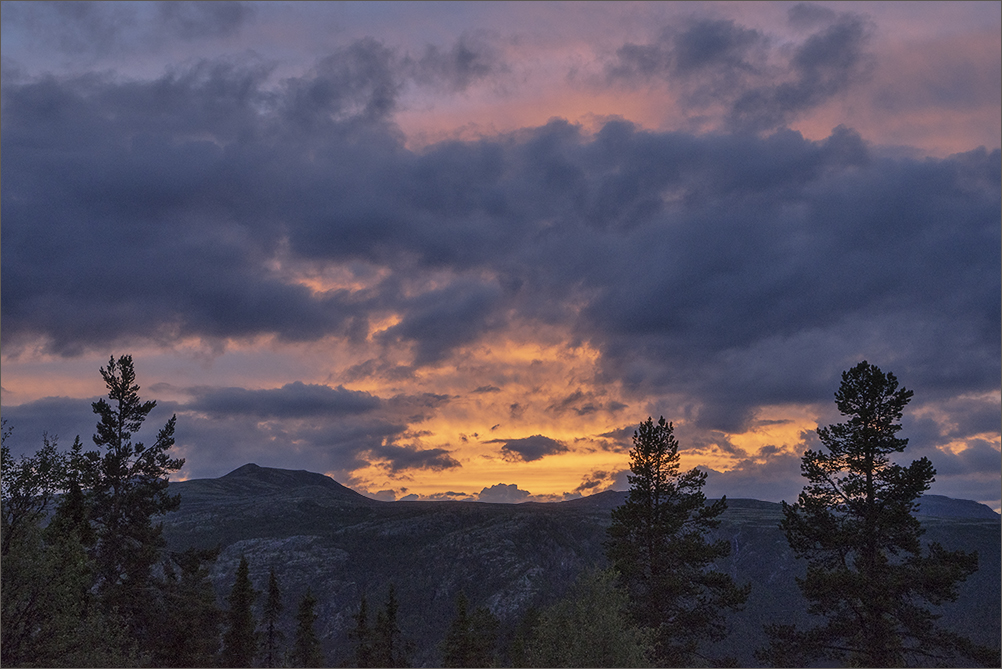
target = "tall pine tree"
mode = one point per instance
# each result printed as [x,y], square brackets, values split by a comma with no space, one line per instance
[128,489]
[306,651]
[239,640]
[272,610]
[388,645]
[656,542]
[362,636]
[867,574]
[471,638]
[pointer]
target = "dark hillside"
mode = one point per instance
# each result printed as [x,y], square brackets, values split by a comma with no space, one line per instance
[318,534]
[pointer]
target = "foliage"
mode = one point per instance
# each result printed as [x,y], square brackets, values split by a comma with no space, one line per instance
[190,620]
[272,610]
[656,542]
[389,648]
[239,640]
[854,523]
[590,627]
[28,486]
[126,485]
[306,650]
[45,601]
[362,636]
[471,638]
[382,644]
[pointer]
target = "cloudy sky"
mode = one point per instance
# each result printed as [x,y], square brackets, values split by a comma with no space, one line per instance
[461,250]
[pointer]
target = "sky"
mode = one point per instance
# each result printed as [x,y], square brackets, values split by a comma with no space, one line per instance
[462,250]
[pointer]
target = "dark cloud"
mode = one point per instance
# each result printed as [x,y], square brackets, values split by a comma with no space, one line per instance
[503,493]
[761,84]
[471,59]
[600,481]
[397,458]
[703,45]
[294,400]
[735,270]
[583,403]
[305,426]
[528,449]
[823,66]
[487,389]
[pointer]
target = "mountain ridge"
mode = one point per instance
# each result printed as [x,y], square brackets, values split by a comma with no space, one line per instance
[319,535]
[254,479]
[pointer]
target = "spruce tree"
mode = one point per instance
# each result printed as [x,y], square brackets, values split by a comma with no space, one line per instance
[240,640]
[188,632]
[867,574]
[388,647]
[471,637]
[362,636]
[656,542]
[306,651]
[272,610]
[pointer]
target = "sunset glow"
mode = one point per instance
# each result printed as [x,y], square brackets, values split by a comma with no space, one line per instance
[431,248]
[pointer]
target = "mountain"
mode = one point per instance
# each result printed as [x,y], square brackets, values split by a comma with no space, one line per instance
[319,534]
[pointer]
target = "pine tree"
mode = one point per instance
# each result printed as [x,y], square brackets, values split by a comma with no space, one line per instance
[362,636]
[388,644]
[128,489]
[471,638]
[306,650]
[656,542]
[240,641]
[272,609]
[854,523]
[188,630]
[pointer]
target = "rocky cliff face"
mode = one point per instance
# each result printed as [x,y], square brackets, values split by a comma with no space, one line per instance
[320,535]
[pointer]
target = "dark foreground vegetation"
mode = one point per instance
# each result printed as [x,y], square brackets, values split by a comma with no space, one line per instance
[106,564]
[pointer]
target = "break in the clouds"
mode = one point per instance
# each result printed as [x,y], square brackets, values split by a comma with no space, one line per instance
[566,277]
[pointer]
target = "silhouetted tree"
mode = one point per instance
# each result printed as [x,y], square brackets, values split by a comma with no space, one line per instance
[471,638]
[590,627]
[128,489]
[272,609]
[188,632]
[45,602]
[306,650]
[854,522]
[362,636]
[240,641]
[656,542]
[388,646]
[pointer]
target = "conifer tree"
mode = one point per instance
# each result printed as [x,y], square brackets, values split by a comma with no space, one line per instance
[188,631]
[867,574]
[362,636]
[388,647]
[471,638]
[128,489]
[306,651]
[272,610]
[656,542]
[240,640]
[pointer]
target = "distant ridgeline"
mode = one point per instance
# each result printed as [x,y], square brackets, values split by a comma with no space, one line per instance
[319,535]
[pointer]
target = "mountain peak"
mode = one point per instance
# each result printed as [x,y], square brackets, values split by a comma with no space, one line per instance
[253,479]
